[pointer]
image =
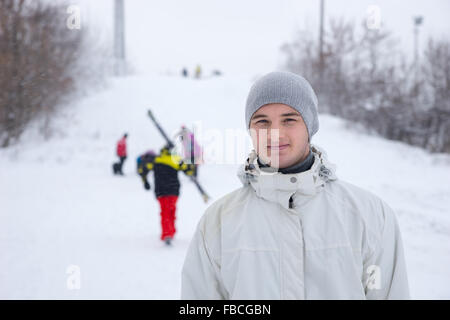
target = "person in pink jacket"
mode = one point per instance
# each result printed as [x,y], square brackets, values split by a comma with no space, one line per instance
[192,152]
[121,152]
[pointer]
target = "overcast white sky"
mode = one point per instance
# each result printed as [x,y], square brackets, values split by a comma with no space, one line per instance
[243,36]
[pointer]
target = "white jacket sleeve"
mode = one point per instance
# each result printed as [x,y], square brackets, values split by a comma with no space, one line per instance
[200,274]
[385,275]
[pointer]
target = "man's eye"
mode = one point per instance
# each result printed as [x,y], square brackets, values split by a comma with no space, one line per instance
[289,120]
[262,122]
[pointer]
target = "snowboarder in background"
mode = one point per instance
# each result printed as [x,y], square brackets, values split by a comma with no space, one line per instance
[121,152]
[184,72]
[198,72]
[165,167]
[217,73]
[192,151]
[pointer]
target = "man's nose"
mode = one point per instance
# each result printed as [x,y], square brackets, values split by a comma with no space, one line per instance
[276,131]
[274,136]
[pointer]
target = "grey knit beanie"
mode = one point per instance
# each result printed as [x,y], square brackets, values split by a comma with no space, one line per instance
[286,88]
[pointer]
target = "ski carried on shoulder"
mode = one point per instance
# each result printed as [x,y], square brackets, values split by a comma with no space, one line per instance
[161,130]
[205,196]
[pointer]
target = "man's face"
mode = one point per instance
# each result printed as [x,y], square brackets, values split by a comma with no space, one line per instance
[279,135]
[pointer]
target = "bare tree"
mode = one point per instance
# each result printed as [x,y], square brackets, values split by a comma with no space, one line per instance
[368,80]
[437,76]
[38,68]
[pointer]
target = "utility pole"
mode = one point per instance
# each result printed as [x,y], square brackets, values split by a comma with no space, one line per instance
[119,38]
[321,56]
[418,20]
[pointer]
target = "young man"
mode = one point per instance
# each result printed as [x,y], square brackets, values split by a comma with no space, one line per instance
[294,230]
[167,186]
[121,152]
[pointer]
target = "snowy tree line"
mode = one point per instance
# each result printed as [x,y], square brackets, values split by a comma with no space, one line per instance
[364,78]
[40,64]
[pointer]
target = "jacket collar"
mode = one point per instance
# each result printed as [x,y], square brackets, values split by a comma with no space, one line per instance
[278,187]
[296,168]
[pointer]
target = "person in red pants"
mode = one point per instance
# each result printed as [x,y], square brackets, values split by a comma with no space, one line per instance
[168,209]
[167,185]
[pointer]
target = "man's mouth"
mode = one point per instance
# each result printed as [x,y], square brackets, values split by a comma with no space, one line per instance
[278,147]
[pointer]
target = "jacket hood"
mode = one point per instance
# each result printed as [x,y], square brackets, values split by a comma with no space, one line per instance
[279,187]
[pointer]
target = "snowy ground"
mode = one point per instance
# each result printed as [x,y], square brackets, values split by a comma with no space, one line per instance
[61,206]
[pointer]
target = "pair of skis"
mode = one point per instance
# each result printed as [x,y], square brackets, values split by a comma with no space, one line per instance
[205,196]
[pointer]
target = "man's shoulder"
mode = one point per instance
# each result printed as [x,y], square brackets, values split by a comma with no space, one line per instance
[366,205]
[212,216]
[352,191]
[228,201]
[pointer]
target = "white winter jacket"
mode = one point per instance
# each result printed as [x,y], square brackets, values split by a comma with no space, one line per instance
[332,240]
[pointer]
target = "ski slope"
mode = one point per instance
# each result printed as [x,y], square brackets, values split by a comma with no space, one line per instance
[61,206]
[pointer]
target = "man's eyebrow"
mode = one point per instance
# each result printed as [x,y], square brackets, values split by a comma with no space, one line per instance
[290,114]
[259,116]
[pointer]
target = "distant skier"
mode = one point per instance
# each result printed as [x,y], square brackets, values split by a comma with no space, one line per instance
[192,152]
[184,72]
[198,72]
[167,185]
[121,152]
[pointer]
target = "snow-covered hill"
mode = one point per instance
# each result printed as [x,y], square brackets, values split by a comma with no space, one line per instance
[60,206]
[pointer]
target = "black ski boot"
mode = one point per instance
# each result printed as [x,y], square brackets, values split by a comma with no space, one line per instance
[168,240]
